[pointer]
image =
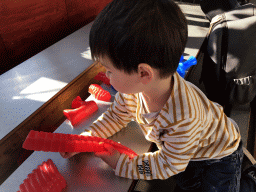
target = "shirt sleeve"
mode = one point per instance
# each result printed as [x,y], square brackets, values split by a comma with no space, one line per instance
[180,141]
[113,120]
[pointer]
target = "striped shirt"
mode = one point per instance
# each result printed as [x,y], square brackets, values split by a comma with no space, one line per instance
[189,127]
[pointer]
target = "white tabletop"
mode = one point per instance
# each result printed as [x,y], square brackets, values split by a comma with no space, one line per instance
[84,172]
[26,87]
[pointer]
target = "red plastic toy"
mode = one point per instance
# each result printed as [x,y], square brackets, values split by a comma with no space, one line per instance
[75,116]
[78,102]
[59,142]
[99,93]
[101,76]
[45,177]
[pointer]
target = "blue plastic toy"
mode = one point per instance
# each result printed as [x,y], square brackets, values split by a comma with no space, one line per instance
[184,65]
[113,88]
[181,59]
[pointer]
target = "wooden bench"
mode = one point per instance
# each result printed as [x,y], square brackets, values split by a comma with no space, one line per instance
[28,27]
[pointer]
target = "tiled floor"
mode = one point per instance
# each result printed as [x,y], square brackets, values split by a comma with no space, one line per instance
[197,27]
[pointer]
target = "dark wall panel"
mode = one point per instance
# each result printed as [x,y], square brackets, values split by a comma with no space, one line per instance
[4,57]
[82,12]
[28,26]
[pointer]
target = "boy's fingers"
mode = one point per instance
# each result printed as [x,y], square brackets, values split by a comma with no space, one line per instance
[102,154]
[67,154]
[63,154]
[109,148]
[72,154]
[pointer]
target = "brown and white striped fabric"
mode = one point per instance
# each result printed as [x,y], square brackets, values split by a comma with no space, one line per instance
[188,128]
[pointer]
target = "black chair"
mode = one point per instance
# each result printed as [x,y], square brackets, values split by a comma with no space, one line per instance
[211,8]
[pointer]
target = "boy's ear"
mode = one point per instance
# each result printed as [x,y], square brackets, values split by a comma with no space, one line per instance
[145,72]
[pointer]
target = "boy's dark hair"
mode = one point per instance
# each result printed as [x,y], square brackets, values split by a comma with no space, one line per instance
[130,32]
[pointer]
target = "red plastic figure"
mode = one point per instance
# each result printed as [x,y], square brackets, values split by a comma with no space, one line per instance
[77,102]
[58,142]
[75,116]
[99,93]
[45,177]
[101,76]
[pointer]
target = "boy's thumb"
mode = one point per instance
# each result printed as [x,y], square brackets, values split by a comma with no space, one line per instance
[109,148]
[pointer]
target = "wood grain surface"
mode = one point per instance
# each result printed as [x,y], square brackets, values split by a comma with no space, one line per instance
[29,26]
[82,12]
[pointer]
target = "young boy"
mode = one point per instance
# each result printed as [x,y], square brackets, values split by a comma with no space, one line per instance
[140,42]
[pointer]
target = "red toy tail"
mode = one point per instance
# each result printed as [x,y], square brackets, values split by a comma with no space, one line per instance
[99,93]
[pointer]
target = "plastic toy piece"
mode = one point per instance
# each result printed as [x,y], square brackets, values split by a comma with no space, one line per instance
[99,93]
[58,142]
[184,66]
[181,59]
[45,177]
[78,102]
[101,76]
[76,116]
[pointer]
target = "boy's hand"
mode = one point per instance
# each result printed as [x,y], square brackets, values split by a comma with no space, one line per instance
[110,156]
[68,154]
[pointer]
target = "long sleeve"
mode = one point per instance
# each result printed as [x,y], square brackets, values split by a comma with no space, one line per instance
[113,120]
[180,141]
[188,128]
